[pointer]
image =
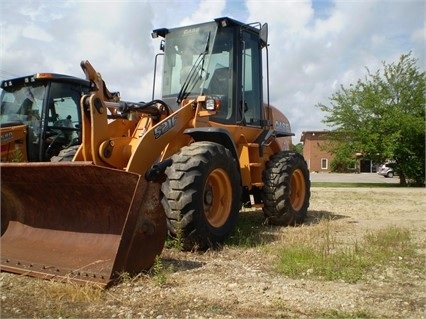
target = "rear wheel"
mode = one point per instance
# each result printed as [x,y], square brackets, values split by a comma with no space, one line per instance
[286,190]
[201,195]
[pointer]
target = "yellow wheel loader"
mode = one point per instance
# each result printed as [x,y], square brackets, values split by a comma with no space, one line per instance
[181,165]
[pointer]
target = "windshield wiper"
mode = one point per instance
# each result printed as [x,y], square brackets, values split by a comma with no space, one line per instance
[192,77]
[206,50]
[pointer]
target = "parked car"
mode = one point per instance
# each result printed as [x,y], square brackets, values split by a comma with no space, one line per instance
[387,169]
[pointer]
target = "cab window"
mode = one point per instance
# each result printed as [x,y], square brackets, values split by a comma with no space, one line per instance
[62,117]
[251,99]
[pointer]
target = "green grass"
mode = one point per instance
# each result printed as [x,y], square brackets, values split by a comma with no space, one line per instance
[327,259]
[336,314]
[160,273]
[356,185]
[250,230]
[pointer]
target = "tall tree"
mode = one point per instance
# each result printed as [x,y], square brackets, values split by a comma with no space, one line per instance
[298,148]
[383,117]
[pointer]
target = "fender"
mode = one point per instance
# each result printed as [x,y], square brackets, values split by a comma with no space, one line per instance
[214,134]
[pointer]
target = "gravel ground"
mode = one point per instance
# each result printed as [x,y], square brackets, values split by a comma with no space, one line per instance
[239,282]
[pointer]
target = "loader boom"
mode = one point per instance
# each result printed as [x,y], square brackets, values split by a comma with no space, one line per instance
[121,144]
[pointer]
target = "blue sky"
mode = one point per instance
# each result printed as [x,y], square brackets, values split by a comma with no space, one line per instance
[323,8]
[315,46]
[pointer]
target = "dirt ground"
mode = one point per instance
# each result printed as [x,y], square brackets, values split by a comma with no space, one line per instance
[241,282]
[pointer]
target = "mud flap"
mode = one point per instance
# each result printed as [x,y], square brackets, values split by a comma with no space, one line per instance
[77,221]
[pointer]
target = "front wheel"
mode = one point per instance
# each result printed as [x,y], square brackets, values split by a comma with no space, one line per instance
[201,195]
[286,189]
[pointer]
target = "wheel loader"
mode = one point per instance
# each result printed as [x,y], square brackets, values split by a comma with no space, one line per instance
[181,165]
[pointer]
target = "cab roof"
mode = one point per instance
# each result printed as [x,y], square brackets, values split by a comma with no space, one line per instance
[44,77]
[223,21]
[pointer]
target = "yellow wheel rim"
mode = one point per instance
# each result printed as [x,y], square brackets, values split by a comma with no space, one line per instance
[298,190]
[217,197]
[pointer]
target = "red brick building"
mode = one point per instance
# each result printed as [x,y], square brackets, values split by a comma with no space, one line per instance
[319,159]
[313,151]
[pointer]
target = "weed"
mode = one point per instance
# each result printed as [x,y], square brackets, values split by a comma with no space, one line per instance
[328,260]
[335,314]
[250,231]
[176,241]
[390,242]
[160,275]
[124,277]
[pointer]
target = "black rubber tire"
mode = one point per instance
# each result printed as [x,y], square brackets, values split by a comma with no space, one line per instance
[286,191]
[193,187]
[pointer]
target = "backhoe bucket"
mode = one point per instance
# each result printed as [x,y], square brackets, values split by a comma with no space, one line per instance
[77,221]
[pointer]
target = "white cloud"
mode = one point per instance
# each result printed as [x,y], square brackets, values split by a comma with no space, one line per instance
[206,11]
[314,47]
[292,16]
[312,54]
[35,33]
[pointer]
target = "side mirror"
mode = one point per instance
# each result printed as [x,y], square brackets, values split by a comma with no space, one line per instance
[263,34]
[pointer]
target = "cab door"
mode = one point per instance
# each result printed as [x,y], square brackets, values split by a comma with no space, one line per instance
[251,99]
[62,118]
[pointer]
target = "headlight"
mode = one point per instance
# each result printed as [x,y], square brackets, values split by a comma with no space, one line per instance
[212,104]
[208,103]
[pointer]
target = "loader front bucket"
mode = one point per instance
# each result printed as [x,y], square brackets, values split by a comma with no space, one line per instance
[77,221]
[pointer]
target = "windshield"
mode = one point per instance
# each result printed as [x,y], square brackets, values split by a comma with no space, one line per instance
[22,104]
[187,53]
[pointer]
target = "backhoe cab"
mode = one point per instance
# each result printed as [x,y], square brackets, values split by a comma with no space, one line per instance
[40,116]
[181,165]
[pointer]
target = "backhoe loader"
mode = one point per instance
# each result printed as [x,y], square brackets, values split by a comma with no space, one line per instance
[40,114]
[181,165]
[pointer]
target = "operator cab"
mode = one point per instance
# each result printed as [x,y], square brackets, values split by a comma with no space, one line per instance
[48,106]
[221,59]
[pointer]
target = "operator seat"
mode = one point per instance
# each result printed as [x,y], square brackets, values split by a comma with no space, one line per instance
[219,82]
[26,107]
